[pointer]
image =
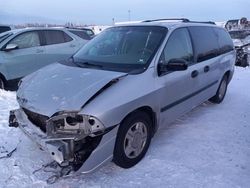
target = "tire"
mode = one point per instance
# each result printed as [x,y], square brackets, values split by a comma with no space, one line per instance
[221,92]
[1,84]
[133,139]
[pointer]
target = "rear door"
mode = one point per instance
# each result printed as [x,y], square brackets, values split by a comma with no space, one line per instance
[206,50]
[59,45]
[177,88]
[27,58]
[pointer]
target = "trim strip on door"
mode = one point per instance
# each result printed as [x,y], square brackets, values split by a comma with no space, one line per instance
[187,97]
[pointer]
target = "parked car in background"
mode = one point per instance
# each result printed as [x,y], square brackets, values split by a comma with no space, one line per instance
[237,24]
[97,29]
[24,51]
[4,28]
[240,37]
[241,40]
[107,101]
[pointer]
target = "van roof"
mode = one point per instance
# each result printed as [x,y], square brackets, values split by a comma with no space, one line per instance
[168,22]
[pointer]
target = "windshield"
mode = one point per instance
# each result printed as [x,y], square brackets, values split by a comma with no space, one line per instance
[125,49]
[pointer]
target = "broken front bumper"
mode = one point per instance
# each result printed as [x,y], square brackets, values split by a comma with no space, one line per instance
[59,148]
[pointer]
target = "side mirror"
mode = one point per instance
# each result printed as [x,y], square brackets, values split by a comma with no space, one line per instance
[10,47]
[172,65]
[177,65]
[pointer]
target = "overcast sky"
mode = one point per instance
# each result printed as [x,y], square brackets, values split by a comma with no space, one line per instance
[102,12]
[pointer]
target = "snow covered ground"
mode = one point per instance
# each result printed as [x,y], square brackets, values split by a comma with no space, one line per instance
[208,147]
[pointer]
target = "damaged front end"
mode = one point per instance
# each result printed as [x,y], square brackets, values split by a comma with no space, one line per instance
[70,138]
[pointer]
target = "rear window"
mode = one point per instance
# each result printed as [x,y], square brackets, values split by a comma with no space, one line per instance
[205,42]
[4,28]
[89,32]
[56,37]
[81,34]
[225,41]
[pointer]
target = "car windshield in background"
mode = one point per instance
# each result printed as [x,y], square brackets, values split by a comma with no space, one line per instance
[124,49]
[242,34]
[5,35]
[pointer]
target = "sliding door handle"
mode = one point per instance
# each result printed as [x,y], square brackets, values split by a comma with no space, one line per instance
[194,74]
[206,68]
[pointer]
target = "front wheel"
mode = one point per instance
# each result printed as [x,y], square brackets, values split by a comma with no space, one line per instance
[133,139]
[221,92]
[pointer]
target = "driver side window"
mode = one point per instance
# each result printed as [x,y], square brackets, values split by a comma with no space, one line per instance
[26,40]
[178,46]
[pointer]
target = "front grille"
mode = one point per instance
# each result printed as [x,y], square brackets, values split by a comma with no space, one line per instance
[37,119]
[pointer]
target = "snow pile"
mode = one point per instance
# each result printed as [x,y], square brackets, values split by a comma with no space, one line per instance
[208,147]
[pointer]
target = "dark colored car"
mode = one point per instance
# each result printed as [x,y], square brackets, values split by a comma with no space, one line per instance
[4,28]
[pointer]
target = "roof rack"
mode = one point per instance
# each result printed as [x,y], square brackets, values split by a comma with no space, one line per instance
[208,22]
[185,20]
[168,19]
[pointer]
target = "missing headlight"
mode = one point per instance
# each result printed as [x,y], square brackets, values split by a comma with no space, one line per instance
[74,120]
[75,125]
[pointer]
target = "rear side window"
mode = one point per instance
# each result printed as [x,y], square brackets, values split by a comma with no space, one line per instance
[26,40]
[81,34]
[205,42]
[89,32]
[225,41]
[4,28]
[178,46]
[56,37]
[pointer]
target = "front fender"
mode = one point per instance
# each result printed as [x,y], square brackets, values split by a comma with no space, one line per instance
[122,98]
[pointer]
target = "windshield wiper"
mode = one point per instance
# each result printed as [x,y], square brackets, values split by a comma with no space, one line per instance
[91,64]
[84,64]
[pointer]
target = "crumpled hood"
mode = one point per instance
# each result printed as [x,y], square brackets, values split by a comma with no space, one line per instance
[59,87]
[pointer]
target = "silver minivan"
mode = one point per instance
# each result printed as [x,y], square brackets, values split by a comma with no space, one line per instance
[108,100]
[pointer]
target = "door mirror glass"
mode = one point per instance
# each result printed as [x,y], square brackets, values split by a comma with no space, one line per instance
[177,65]
[10,47]
[172,65]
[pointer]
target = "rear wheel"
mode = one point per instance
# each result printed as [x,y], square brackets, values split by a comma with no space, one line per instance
[133,139]
[1,84]
[221,92]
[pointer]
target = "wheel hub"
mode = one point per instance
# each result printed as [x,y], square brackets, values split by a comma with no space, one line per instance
[135,140]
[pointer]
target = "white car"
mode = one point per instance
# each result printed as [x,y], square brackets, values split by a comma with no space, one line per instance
[24,51]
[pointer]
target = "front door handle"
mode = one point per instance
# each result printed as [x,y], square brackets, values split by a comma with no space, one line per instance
[72,45]
[206,68]
[194,73]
